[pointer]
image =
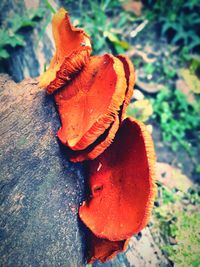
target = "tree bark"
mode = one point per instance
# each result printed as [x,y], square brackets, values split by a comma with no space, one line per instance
[40,190]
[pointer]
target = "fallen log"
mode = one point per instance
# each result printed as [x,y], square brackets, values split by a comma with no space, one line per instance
[40,189]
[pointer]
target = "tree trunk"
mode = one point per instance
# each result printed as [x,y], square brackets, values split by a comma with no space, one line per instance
[40,190]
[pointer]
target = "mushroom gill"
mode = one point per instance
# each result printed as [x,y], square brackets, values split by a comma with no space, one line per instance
[96,148]
[130,80]
[89,103]
[73,50]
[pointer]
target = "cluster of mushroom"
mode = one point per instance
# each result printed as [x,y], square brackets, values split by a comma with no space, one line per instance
[92,94]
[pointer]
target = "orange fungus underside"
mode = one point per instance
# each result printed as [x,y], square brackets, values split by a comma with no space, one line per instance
[122,186]
[73,50]
[130,80]
[89,103]
[103,249]
[96,148]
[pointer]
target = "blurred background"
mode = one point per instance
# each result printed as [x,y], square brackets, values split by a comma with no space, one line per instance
[162,38]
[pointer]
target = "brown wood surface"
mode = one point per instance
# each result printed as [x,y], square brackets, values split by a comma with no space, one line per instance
[40,191]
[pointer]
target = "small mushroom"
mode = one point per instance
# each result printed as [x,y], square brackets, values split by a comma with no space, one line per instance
[103,249]
[126,179]
[89,104]
[70,55]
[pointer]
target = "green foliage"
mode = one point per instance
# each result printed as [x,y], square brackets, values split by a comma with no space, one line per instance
[165,217]
[168,71]
[9,39]
[140,109]
[95,18]
[149,68]
[49,6]
[178,119]
[179,20]
[186,230]
[10,35]
[179,225]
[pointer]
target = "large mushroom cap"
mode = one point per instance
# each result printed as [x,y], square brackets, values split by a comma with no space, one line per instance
[104,140]
[73,49]
[89,104]
[122,185]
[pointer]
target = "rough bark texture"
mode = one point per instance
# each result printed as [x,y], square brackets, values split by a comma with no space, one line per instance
[40,189]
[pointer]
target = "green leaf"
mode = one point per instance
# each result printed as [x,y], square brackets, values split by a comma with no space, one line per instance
[18,22]
[179,36]
[9,38]
[120,46]
[16,40]
[49,6]
[4,54]
[168,25]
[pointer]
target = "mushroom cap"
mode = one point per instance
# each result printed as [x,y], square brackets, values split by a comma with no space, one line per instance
[89,103]
[73,48]
[103,141]
[103,249]
[122,185]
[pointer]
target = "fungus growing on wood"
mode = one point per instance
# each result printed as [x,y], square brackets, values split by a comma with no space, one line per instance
[106,138]
[96,148]
[103,249]
[130,80]
[73,50]
[90,102]
[121,181]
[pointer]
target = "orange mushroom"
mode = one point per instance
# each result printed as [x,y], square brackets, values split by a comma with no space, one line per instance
[122,185]
[96,148]
[73,50]
[103,249]
[104,140]
[90,102]
[130,79]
